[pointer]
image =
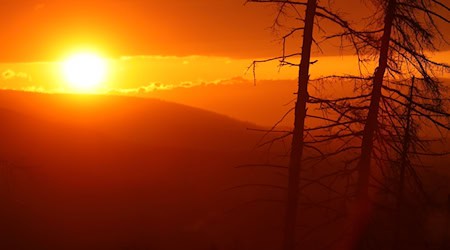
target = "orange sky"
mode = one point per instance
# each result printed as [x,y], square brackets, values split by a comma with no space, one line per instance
[203,41]
[43,30]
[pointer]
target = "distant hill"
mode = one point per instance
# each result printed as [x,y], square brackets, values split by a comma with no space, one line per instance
[106,172]
[132,120]
[263,103]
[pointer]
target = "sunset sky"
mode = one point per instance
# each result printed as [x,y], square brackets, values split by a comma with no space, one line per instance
[145,41]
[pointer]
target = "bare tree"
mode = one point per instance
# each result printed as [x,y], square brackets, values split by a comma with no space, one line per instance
[312,12]
[403,164]
[398,38]
[300,111]
[401,34]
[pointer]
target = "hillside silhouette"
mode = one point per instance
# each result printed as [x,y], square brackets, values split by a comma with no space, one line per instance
[105,172]
[111,172]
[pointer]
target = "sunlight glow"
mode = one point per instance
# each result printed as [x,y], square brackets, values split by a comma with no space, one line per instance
[85,71]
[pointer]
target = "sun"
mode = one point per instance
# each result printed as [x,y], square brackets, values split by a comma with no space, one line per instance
[85,71]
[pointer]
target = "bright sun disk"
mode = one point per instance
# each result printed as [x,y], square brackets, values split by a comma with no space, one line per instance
[85,71]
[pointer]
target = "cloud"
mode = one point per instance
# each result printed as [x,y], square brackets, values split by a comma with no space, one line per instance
[157,86]
[10,74]
[142,89]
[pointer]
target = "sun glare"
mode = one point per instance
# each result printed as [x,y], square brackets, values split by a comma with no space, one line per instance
[85,71]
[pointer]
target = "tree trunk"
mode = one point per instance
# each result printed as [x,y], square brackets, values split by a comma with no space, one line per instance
[403,165]
[363,167]
[362,191]
[296,155]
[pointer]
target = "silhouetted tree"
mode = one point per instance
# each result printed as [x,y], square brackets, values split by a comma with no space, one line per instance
[297,145]
[402,33]
[312,12]
[403,164]
[398,38]
[402,45]
[405,196]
